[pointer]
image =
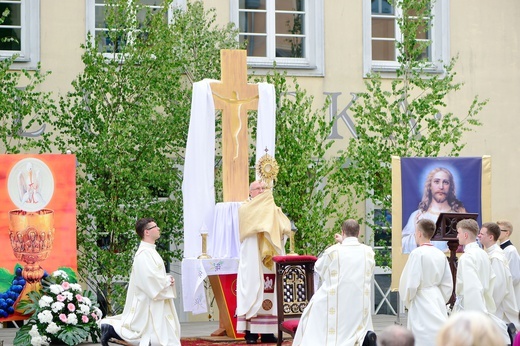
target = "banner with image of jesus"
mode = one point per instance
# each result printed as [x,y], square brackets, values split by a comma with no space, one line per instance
[422,188]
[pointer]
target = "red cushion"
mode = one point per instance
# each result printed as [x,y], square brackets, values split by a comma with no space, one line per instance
[294,259]
[291,325]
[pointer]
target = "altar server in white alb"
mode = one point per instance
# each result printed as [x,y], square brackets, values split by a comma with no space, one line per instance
[503,291]
[511,253]
[149,316]
[475,277]
[339,312]
[426,286]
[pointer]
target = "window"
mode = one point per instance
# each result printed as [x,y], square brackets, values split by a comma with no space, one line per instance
[97,26]
[21,28]
[288,33]
[380,32]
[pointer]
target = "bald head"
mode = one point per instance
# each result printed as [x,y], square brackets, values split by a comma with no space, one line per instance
[395,335]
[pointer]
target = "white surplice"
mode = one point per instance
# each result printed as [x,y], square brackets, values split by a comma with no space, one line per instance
[503,291]
[425,287]
[475,283]
[339,313]
[149,315]
[513,259]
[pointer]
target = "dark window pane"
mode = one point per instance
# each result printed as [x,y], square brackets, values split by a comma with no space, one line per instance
[100,17]
[287,23]
[382,7]
[252,22]
[13,39]
[383,27]
[290,47]
[383,50]
[290,5]
[386,8]
[14,17]
[109,43]
[256,45]
[252,4]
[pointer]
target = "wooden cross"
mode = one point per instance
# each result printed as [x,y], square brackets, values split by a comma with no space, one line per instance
[235,97]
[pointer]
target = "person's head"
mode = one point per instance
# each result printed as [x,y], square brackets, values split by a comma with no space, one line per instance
[395,335]
[147,229]
[256,188]
[506,229]
[467,231]
[424,231]
[440,186]
[350,228]
[469,328]
[489,234]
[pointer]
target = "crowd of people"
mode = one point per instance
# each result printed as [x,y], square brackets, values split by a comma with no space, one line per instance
[485,311]
[487,287]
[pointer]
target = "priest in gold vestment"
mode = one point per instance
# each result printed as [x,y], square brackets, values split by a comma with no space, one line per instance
[262,229]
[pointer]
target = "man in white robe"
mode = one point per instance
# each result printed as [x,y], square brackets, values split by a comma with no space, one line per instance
[503,291]
[425,286]
[262,226]
[511,253]
[149,316]
[475,276]
[339,312]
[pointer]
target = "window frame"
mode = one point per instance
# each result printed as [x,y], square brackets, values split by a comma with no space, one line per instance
[29,54]
[313,64]
[90,22]
[440,53]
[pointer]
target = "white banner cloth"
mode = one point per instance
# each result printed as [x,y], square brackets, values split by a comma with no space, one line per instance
[194,271]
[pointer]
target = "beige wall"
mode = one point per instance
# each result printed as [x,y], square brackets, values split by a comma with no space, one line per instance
[62,33]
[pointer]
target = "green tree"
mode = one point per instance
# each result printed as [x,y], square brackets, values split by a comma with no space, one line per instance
[25,109]
[127,120]
[308,188]
[407,116]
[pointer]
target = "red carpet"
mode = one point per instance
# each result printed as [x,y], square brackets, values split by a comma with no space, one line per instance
[201,342]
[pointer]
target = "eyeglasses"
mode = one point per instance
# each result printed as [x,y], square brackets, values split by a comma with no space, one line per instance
[149,228]
[503,230]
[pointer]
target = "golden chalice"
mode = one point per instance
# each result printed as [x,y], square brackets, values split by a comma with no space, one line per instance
[32,236]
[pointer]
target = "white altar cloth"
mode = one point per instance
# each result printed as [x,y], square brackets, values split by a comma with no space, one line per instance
[194,271]
[224,238]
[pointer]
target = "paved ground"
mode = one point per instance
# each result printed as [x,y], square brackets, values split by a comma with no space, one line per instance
[201,329]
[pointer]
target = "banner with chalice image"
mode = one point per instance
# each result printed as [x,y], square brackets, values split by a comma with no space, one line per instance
[37,224]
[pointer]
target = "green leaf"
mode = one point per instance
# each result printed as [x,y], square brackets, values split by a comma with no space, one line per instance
[72,335]
[6,278]
[22,337]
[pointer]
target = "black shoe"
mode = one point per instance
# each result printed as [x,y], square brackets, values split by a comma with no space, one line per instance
[107,333]
[370,339]
[251,338]
[268,339]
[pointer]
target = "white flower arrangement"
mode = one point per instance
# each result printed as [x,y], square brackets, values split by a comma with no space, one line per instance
[60,312]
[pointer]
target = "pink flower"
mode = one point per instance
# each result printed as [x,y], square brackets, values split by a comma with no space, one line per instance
[60,297]
[65,285]
[63,317]
[84,318]
[79,297]
[94,316]
[71,307]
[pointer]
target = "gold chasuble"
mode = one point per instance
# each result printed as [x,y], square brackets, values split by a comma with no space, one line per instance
[261,217]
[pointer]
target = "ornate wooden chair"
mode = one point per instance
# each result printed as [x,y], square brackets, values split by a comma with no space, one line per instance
[294,289]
